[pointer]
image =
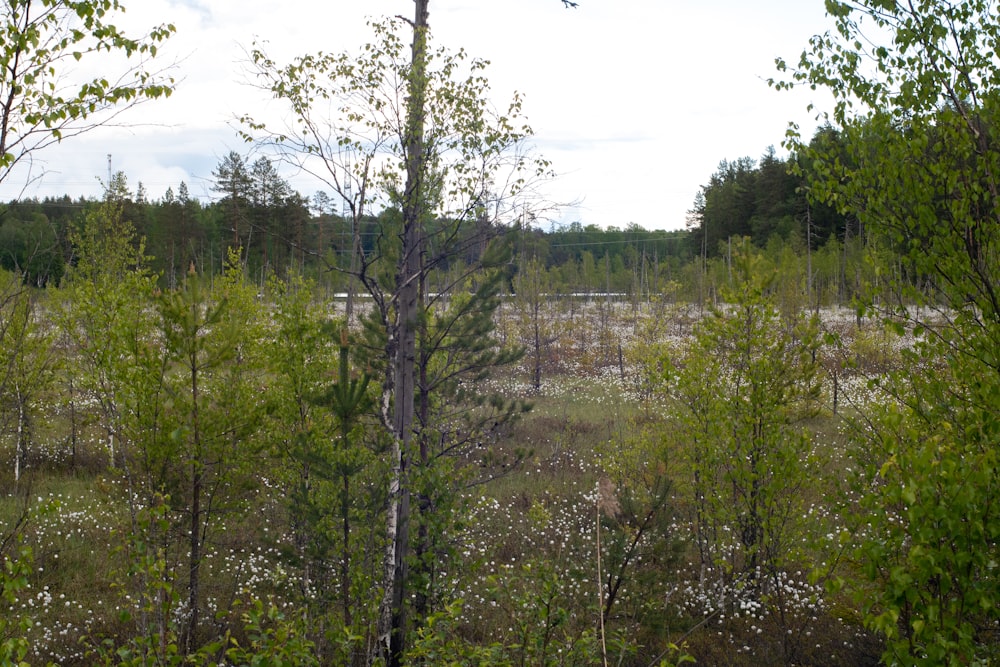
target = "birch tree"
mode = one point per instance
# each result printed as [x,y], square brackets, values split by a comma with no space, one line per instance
[411,129]
[915,102]
[26,355]
[46,94]
[742,388]
[102,317]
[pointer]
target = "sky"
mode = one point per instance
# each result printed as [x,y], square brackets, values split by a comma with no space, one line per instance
[635,102]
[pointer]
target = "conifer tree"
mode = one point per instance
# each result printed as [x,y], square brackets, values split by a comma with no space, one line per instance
[210,343]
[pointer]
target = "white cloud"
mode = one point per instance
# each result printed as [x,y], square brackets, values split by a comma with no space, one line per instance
[634,101]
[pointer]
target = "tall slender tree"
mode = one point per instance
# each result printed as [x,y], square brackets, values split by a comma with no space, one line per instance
[444,160]
[401,344]
[235,184]
[209,341]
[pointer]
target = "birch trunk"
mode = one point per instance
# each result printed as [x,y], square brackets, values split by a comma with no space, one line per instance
[21,447]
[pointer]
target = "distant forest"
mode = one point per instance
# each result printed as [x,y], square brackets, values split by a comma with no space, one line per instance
[764,200]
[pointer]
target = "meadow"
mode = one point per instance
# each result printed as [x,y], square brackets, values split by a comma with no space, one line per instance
[603,464]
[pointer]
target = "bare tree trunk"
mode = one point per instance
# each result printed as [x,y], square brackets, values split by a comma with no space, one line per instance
[194,538]
[353,266]
[194,559]
[809,266]
[536,380]
[72,424]
[402,343]
[21,447]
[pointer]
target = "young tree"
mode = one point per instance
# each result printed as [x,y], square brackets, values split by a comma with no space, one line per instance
[102,316]
[318,433]
[210,392]
[28,361]
[42,100]
[916,109]
[533,287]
[415,132]
[741,387]
[637,514]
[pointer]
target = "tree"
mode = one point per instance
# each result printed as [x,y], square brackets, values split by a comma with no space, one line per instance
[41,101]
[533,287]
[176,236]
[637,513]
[318,430]
[27,360]
[30,245]
[101,314]
[348,399]
[741,388]
[916,111]
[415,132]
[209,392]
[777,209]
[234,182]
[269,194]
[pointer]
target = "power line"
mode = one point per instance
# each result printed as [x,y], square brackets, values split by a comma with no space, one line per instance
[675,237]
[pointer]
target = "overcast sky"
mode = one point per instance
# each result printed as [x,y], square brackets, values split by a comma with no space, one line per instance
[634,101]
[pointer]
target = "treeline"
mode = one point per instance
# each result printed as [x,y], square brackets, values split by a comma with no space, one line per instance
[821,251]
[765,200]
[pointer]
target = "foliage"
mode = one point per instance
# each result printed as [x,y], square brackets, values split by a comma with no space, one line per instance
[148,597]
[915,106]
[231,397]
[13,580]
[281,236]
[178,236]
[210,343]
[740,388]
[273,640]
[544,515]
[42,39]
[929,548]
[267,219]
[926,143]
[637,510]
[28,361]
[414,128]
[764,200]
[103,322]
[354,141]
[540,622]
[30,247]
[437,642]
[319,425]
